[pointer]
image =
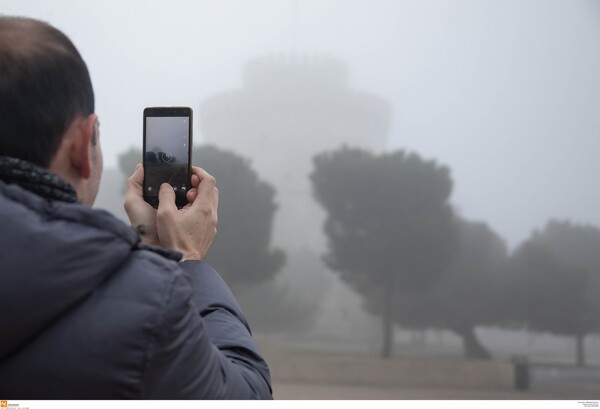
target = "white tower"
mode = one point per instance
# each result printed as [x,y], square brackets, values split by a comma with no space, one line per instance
[287,111]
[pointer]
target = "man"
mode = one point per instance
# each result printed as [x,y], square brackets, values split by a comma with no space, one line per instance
[89,309]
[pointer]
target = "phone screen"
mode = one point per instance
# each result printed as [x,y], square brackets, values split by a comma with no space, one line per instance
[167,152]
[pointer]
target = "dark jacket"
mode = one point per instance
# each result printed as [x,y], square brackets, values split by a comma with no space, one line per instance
[88,312]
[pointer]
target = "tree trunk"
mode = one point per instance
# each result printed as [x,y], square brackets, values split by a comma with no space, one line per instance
[472,347]
[387,321]
[579,339]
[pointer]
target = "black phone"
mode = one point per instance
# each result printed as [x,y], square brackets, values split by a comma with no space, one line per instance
[167,152]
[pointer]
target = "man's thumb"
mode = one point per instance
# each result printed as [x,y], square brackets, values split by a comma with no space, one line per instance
[166,196]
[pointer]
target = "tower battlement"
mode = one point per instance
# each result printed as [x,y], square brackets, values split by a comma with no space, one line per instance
[277,70]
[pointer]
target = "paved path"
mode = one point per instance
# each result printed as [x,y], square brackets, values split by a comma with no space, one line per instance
[354,392]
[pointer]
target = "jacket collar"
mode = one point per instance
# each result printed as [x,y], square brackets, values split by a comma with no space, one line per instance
[36,179]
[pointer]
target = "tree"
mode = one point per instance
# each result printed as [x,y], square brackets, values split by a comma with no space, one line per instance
[241,251]
[556,282]
[469,293]
[246,210]
[389,225]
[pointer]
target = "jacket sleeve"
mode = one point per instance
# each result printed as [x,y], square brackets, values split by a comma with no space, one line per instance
[203,348]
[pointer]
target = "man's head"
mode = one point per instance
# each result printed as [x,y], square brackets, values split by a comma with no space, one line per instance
[47,104]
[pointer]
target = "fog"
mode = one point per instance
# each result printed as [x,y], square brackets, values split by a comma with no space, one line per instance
[504,93]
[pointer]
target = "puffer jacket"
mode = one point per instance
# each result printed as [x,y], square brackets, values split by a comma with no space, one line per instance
[89,312]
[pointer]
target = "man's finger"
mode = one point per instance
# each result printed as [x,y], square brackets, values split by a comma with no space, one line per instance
[166,198]
[191,195]
[195,180]
[206,191]
[207,184]
[138,175]
[134,184]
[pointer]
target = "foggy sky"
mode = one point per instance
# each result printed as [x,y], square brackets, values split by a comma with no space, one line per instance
[506,93]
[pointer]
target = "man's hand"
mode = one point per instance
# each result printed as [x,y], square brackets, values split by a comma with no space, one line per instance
[142,215]
[191,229]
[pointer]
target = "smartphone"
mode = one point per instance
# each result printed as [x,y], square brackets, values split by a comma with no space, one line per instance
[167,152]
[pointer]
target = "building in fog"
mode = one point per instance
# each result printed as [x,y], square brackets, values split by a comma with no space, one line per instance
[287,111]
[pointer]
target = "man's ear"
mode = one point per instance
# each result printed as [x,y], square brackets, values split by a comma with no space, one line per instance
[81,149]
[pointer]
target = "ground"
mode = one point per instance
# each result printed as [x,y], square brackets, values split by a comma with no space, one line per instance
[309,374]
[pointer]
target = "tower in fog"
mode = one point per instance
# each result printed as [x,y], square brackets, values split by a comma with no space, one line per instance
[287,111]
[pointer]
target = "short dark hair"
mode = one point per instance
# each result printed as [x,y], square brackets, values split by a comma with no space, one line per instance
[44,85]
